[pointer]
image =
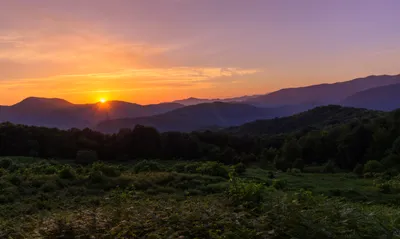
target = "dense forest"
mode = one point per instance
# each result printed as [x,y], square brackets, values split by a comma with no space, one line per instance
[334,135]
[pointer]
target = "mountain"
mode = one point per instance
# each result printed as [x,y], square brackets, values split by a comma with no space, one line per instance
[322,94]
[318,117]
[195,101]
[196,117]
[62,114]
[385,98]
[35,103]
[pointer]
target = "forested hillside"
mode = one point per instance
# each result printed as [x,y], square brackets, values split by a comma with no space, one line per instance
[317,118]
[343,136]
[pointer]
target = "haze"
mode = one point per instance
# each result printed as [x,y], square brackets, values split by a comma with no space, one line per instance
[160,50]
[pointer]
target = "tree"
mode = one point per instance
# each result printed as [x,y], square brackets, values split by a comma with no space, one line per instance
[268,154]
[145,142]
[291,150]
[396,146]
[329,167]
[358,169]
[282,164]
[373,166]
[299,164]
[391,161]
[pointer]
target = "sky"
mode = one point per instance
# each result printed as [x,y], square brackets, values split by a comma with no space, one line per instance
[150,51]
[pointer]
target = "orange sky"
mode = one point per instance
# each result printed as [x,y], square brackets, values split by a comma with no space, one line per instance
[155,51]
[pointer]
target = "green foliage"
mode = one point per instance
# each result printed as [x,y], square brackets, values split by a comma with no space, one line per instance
[239,168]
[213,169]
[170,204]
[107,170]
[245,193]
[97,177]
[298,164]
[5,163]
[49,187]
[396,146]
[294,171]
[147,166]
[329,167]
[282,164]
[358,169]
[86,157]
[391,161]
[291,150]
[67,173]
[279,184]
[373,166]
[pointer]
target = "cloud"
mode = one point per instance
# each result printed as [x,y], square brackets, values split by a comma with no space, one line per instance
[131,78]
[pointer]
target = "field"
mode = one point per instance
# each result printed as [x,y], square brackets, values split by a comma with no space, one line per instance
[177,199]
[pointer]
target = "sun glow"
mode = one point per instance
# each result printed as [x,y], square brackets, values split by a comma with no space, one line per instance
[103,100]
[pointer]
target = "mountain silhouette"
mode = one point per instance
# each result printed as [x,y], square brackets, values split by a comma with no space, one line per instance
[322,94]
[195,117]
[195,101]
[385,98]
[63,114]
[372,92]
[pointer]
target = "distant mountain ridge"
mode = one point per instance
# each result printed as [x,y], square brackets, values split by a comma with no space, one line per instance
[194,117]
[195,101]
[372,92]
[385,98]
[53,112]
[322,94]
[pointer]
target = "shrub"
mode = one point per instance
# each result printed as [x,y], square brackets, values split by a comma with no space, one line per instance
[15,179]
[391,161]
[107,170]
[67,173]
[329,167]
[358,169]
[239,168]
[279,184]
[298,164]
[49,170]
[294,171]
[147,166]
[180,167]
[5,163]
[191,168]
[49,187]
[97,177]
[86,157]
[213,169]
[373,166]
[246,193]
[282,164]
[3,172]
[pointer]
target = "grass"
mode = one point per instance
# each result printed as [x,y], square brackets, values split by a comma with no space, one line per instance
[345,185]
[51,199]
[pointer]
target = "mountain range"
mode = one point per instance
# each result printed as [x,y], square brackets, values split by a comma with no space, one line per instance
[63,114]
[372,92]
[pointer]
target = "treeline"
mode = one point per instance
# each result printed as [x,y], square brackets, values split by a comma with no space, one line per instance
[342,146]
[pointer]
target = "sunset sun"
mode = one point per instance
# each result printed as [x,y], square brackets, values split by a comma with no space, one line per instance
[103,100]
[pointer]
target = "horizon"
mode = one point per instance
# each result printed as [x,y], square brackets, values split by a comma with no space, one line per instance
[203,49]
[105,100]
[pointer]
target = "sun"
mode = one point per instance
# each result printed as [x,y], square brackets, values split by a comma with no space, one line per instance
[103,100]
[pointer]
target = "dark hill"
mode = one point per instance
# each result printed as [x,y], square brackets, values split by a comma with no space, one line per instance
[322,94]
[194,117]
[385,98]
[319,117]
